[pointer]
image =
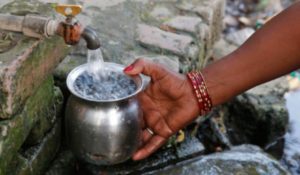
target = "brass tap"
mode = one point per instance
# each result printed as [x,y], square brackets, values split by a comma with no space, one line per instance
[71,30]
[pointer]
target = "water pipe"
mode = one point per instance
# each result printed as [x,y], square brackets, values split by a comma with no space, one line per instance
[39,27]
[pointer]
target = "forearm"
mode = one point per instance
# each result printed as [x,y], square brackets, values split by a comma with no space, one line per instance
[271,52]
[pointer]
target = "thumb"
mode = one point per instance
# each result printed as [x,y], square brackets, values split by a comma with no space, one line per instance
[146,67]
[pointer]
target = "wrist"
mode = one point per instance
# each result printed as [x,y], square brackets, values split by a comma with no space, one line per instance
[200,91]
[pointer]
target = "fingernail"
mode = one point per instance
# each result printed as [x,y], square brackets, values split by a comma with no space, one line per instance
[129,68]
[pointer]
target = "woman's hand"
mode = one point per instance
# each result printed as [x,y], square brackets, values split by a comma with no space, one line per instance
[168,105]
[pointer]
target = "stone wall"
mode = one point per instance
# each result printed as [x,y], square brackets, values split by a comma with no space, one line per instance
[30,104]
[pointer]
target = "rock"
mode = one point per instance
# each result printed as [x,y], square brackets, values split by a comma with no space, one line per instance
[239,37]
[69,63]
[15,130]
[223,48]
[35,160]
[45,123]
[258,116]
[185,23]
[156,39]
[219,130]
[245,159]
[161,13]
[214,17]
[25,66]
[231,20]
[212,13]
[64,164]
[246,21]
[190,147]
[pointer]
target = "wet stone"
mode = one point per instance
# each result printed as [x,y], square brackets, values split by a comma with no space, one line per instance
[171,153]
[161,158]
[109,86]
[63,164]
[245,159]
[217,124]
[190,147]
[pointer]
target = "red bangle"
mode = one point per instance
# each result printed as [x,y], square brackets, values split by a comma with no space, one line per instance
[201,92]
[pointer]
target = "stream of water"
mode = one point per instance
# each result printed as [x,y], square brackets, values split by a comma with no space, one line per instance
[292,138]
[95,63]
[102,83]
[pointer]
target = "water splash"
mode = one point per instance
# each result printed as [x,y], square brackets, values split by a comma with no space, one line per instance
[101,83]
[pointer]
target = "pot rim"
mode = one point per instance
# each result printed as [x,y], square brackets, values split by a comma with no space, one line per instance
[72,76]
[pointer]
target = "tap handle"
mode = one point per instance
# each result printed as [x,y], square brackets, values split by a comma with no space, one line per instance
[68,10]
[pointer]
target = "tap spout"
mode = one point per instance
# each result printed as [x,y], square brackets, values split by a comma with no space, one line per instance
[91,38]
[72,33]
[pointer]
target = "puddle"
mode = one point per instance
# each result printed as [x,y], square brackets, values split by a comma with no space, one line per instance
[291,156]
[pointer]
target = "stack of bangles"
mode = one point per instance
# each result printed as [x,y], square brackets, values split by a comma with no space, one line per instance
[201,92]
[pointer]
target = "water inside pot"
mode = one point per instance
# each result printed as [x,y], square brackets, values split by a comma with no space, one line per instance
[101,81]
[109,86]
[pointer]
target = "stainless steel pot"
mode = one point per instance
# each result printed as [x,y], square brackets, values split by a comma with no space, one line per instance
[103,132]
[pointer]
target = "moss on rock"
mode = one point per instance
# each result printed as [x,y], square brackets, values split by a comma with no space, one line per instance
[36,159]
[14,132]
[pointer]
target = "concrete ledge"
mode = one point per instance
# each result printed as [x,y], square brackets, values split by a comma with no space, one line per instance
[24,68]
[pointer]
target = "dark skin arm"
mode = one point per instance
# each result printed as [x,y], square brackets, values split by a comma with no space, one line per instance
[169,103]
[272,52]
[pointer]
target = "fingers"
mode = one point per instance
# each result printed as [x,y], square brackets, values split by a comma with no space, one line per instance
[157,124]
[154,143]
[146,136]
[155,71]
